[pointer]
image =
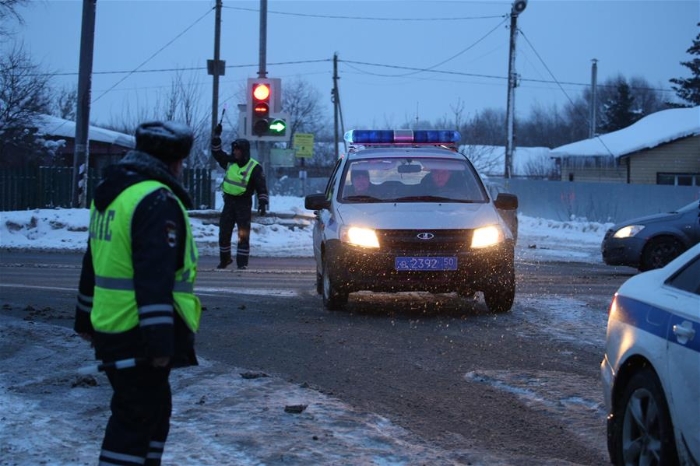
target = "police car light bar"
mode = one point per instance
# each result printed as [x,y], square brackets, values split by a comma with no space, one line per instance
[402,136]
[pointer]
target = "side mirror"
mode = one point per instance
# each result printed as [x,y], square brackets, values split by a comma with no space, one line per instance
[316,202]
[506,201]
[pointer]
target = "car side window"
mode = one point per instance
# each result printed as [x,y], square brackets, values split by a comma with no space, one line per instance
[688,279]
[331,180]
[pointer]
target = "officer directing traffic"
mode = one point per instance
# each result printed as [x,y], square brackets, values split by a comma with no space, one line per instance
[136,303]
[244,176]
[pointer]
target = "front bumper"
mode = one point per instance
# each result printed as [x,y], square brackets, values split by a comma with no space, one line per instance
[622,251]
[363,269]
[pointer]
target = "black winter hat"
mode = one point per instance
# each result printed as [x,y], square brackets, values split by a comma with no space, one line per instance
[168,141]
[242,144]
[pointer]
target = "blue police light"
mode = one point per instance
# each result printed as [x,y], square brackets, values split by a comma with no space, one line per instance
[402,136]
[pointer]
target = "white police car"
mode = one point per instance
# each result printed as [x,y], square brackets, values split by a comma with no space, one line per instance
[404,211]
[651,368]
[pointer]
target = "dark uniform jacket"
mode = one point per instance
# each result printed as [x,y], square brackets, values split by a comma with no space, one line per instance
[155,220]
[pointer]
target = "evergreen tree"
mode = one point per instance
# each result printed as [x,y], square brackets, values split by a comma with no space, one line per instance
[688,89]
[619,110]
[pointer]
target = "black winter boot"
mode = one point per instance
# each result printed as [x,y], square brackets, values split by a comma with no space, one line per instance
[225,260]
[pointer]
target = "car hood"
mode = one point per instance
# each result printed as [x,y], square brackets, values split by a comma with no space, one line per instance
[422,215]
[648,219]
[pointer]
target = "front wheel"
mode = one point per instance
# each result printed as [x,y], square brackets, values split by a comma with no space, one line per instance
[499,294]
[334,296]
[319,283]
[642,431]
[659,252]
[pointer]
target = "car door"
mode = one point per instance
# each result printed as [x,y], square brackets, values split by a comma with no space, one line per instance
[683,348]
[323,216]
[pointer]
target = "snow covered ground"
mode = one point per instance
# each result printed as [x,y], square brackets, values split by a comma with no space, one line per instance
[57,417]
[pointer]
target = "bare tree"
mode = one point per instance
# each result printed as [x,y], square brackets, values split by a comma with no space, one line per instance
[8,13]
[65,103]
[303,103]
[181,102]
[24,94]
[487,127]
[486,159]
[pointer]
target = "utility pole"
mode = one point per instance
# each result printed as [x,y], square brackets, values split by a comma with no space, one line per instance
[336,105]
[517,8]
[594,99]
[81,154]
[216,67]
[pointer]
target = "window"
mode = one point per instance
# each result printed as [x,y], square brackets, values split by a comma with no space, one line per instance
[678,179]
[688,279]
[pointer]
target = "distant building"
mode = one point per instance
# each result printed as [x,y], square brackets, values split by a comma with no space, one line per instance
[105,146]
[661,148]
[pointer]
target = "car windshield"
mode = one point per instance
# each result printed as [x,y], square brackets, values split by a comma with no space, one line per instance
[695,205]
[410,180]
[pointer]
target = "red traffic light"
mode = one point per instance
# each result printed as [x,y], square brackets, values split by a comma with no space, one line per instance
[261,91]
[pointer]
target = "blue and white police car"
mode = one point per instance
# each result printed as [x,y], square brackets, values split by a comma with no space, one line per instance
[651,368]
[404,211]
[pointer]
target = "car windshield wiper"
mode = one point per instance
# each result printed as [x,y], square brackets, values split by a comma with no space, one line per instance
[431,199]
[362,198]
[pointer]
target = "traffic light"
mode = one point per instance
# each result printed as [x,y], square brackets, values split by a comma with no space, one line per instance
[263,117]
[260,93]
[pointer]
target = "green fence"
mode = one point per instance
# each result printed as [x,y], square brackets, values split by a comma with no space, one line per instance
[50,187]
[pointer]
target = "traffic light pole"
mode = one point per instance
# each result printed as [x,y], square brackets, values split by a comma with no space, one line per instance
[263,147]
[216,68]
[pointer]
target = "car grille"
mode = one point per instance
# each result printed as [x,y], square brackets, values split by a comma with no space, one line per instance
[409,241]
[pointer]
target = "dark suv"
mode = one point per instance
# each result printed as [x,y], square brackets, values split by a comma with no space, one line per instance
[403,211]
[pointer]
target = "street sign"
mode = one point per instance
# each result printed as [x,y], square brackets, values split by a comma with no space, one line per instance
[304,145]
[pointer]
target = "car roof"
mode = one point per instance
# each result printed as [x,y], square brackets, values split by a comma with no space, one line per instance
[401,152]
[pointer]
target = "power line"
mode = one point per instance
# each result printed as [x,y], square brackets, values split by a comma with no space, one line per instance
[473,75]
[152,56]
[364,18]
[192,68]
[430,68]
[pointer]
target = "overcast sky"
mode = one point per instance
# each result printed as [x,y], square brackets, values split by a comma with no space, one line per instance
[461,46]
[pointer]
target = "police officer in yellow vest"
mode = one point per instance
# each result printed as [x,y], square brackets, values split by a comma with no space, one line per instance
[136,303]
[244,176]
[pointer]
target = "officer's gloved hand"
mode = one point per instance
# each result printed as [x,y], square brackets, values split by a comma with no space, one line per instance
[216,137]
[262,209]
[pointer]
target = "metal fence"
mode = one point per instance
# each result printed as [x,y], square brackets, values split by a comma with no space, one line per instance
[559,200]
[51,187]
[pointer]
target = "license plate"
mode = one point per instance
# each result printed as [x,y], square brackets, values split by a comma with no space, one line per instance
[425,263]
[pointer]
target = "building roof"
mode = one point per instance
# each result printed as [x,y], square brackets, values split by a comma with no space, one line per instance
[53,126]
[651,131]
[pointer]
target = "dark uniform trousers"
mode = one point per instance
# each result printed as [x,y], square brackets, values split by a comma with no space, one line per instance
[236,211]
[141,407]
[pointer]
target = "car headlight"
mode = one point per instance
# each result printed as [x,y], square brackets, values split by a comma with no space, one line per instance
[628,231]
[486,236]
[357,236]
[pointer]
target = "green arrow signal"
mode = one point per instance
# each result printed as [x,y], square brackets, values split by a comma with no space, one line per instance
[278,127]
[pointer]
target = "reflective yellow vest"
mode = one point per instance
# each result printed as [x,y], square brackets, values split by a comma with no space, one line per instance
[237,178]
[114,307]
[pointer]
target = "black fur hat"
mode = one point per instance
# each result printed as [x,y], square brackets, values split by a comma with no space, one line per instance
[244,146]
[168,141]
